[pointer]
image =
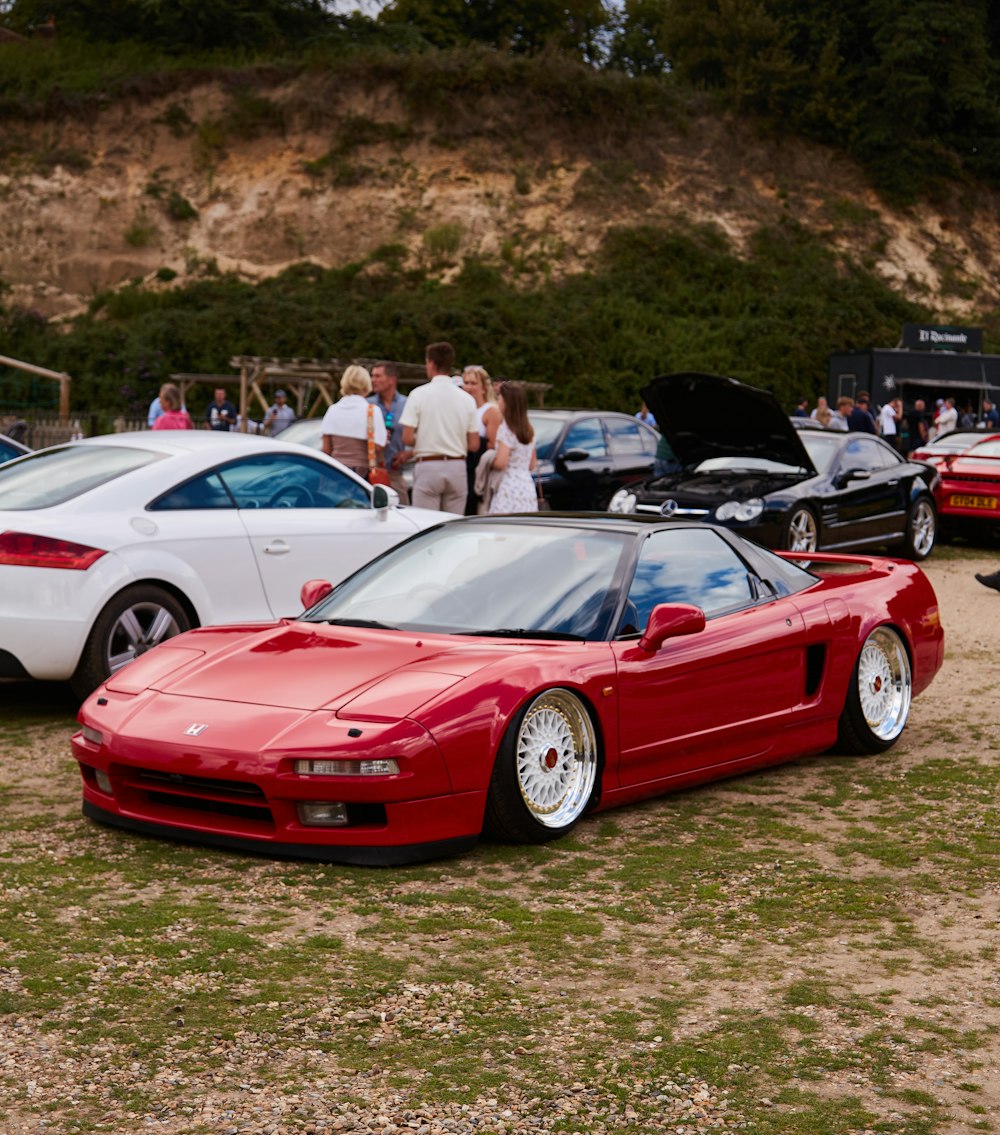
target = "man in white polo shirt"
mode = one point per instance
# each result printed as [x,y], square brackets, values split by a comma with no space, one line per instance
[440,426]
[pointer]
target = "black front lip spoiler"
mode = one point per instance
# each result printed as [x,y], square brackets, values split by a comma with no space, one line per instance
[355,856]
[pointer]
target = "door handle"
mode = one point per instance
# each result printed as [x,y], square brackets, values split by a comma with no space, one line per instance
[277,548]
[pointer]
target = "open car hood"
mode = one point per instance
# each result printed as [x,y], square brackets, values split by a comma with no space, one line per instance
[705,415]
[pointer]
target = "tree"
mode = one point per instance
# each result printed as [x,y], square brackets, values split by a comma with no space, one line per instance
[179,24]
[508,25]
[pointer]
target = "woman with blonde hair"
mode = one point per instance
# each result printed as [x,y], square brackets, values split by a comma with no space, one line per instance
[352,421]
[515,453]
[476,381]
[174,417]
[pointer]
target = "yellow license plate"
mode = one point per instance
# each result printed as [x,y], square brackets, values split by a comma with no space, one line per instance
[962,501]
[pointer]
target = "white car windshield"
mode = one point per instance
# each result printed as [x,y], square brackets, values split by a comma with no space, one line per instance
[989,448]
[54,476]
[521,580]
[751,464]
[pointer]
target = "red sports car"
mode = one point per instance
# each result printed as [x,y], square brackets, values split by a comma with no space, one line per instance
[506,675]
[968,493]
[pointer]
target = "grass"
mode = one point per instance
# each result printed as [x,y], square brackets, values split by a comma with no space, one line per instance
[761,949]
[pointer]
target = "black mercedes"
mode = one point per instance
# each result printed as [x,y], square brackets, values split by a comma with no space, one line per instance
[743,464]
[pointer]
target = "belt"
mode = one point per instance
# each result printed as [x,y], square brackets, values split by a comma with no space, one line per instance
[438,457]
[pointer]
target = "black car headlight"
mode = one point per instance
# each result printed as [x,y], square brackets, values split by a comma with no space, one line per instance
[740,510]
[622,501]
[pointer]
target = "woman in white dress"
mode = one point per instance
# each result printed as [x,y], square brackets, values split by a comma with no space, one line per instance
[515,453]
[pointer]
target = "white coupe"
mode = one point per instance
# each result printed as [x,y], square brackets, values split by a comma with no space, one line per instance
[112,544]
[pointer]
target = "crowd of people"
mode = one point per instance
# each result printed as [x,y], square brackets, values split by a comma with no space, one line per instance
[904,430]
[469,438]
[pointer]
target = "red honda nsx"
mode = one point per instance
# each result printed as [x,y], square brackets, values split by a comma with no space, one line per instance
[506,676]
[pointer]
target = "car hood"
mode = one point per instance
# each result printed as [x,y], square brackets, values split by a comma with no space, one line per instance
[706,415]
[310,666]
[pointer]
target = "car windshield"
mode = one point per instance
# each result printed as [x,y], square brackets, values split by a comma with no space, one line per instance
[989,448]
[54,476]
[753,464]
[483,577]
[307,431]
[821,447]
[547,431]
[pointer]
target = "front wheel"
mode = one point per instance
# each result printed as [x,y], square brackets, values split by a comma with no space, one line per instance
[921,530]
[134,621]
[801,531]
[545,775]
[878,699]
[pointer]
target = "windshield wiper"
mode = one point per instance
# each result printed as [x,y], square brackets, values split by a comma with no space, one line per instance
[523,632]
[358,623]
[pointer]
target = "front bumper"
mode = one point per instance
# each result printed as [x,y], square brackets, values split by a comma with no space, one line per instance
[237,796]
[360,855]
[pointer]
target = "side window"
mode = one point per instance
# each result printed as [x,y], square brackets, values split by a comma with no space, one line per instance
[688,565]
[650,440]
[626,437]
[279,480]
[204,492]
[862,453]
[587,434]
[286,480]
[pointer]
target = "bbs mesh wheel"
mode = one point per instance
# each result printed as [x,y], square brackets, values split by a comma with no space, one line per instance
[546,773]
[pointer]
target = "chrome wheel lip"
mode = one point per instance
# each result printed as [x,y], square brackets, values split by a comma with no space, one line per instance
[802,531]
[923,528]
[139,628]
[556,758]
[885,685]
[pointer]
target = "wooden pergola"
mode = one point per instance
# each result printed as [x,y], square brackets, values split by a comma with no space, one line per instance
[312,385]
[64,381]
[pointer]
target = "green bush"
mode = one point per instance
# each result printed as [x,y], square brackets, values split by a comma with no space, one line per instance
[656,300]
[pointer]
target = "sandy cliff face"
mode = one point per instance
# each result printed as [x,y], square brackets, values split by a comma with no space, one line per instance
[143,188]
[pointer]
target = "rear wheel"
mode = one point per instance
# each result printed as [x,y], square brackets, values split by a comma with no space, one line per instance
[921,529]
[801,530]
[134,621]
[878,700]
[545,775]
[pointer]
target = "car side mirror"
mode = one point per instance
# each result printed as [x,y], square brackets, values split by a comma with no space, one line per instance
[313,591]
[383,499]
[574,455]
[670,620]
[854,475]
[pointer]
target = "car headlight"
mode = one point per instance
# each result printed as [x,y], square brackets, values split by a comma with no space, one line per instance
[381,767]
[622,501]
[740,510]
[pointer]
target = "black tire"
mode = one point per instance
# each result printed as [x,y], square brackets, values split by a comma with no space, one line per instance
[878,698]
[547,773]
[921,529]
[134,621]
[801,532]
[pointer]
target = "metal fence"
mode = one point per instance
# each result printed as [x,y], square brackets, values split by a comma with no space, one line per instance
[38,432]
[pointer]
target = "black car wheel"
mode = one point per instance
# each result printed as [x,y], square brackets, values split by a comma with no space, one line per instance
[878,698]
[134,621]
[547,770]
[921,529]
[801,531]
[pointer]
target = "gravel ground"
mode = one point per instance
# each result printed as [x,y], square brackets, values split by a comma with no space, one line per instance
[178,1025]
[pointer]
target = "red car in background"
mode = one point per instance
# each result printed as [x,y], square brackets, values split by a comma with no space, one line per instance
[968,493]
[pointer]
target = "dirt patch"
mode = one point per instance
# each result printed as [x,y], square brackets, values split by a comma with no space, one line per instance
[99,210]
